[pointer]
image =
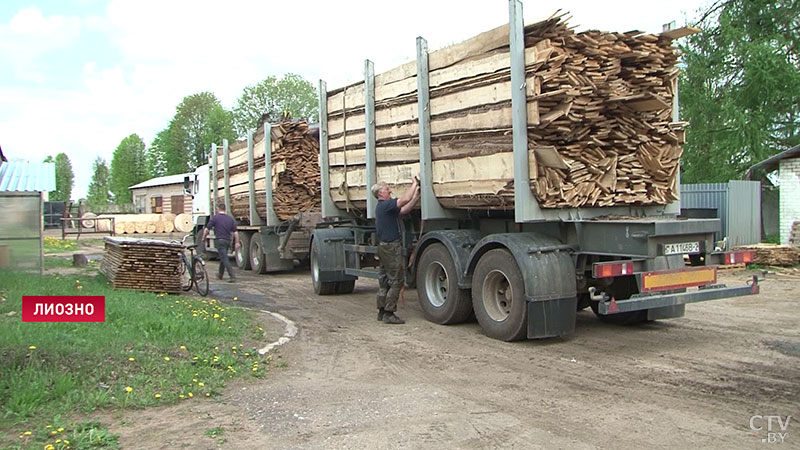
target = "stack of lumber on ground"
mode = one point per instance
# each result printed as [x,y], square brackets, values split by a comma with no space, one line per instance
[294,178]
[773,254]
[142,264]
[144,223]
[599,109]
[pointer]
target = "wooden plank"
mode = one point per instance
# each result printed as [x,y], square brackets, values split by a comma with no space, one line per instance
[680,32]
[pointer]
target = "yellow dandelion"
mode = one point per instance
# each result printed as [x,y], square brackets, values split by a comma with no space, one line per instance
[53,433]
[216,348]
[255,369]
[235,298]
[216,316]
[27,433]
[182,396]
[246,353]
[60,429]
[190,395]
[47,427]
[208,395]
[194,315]
[49,447]
[157,396]
[66,442]
[128,389]
[195,358]
[260,329]
[32,347]
[222,320]
[58,440]
[183,347]
[77,281]
[201,384]
[194,380]
[131,359]
[166,358]
[79,287]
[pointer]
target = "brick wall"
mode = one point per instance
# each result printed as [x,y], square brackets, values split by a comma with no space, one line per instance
[789,180]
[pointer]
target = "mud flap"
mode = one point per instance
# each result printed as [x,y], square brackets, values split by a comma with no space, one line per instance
[550,318]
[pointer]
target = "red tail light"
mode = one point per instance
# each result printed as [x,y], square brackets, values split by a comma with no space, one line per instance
[739,257]
[612,269]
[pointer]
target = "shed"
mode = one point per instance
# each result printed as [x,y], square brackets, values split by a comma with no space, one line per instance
[788,165]
[162,195]
[737,204]
[23,188]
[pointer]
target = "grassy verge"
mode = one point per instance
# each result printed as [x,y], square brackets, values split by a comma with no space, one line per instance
[153,349]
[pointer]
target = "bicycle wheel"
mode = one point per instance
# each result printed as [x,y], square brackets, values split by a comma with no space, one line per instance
[200,277]
[185,274]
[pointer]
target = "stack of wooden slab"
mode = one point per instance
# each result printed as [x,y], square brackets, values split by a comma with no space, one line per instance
[599,108]
[773,254]
[294,177]
[142,264]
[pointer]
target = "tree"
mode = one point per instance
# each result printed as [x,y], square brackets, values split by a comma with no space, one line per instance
[65,179]
[98,195]
[199,121]
[290,97]
[128,167]
[741,88]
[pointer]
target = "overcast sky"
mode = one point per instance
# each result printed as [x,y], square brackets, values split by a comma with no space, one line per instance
[78,76]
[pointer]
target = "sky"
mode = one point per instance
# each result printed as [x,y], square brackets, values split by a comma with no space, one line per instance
[78,76]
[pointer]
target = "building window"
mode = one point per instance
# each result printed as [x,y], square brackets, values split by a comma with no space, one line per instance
[156,205]
[176,204]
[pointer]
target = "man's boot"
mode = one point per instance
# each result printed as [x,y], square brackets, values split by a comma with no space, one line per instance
[391,318]
[381,312]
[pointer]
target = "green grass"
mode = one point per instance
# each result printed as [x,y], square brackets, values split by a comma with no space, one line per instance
[152,349]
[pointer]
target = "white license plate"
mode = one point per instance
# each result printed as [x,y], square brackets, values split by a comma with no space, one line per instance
[682,248]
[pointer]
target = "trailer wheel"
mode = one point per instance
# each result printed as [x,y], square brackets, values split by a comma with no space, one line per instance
[320,287]
[441,300]
[498,296]
[243,254]
[622,288]
[258,262]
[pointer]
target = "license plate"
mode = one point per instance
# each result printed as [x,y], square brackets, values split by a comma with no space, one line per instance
[682,248]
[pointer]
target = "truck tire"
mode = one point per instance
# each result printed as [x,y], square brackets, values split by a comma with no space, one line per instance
[258,262]
[243,254]
[320,287]
[201,245]
[441,300]
[498,296]
[621,289]
[345,287]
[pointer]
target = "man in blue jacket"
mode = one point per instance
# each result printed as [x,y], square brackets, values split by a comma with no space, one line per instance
[390,246]
[224,230]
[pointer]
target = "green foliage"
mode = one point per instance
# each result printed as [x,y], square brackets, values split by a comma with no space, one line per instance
[128,167]
[291,97]
[65,179]
[151,350]
[99,187]
[741,88]
[199,121]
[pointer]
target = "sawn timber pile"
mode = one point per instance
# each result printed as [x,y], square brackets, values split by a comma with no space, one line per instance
[295,172]
[599,110]
[142,264]
[773,254]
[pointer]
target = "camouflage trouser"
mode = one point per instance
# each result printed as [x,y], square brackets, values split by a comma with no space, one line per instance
[392,275]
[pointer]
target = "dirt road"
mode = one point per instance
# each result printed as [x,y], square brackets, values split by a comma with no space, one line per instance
[352,382]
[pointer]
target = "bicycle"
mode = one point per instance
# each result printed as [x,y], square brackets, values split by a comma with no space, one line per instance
[193,269]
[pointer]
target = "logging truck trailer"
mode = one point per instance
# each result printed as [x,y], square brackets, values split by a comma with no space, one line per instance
[268,244]
[523,272]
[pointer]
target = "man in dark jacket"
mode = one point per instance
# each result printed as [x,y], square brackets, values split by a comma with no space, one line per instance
[390,247]
[224,230]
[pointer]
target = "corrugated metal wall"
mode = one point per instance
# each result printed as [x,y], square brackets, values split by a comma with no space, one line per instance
[738,205]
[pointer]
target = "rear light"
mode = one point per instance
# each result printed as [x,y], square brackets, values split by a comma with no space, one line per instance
[612,269]
[739,257]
